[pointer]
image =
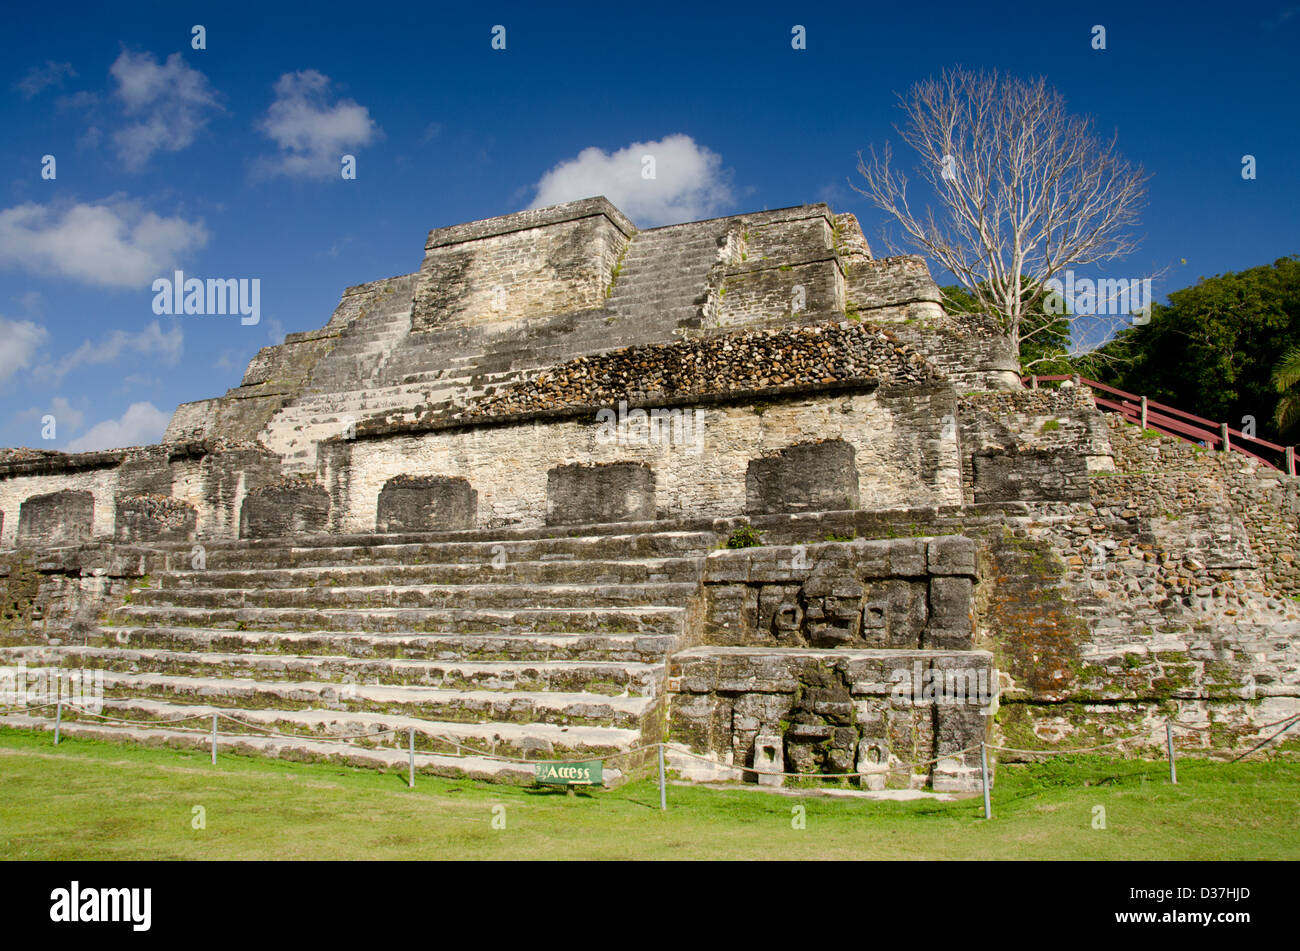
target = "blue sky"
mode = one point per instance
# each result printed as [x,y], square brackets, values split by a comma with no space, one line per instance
[225,161]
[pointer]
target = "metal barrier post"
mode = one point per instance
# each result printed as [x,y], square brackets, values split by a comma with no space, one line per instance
[410,782]
[1169,743]
[58,719]
[663,793]
[214,739]
[984,772]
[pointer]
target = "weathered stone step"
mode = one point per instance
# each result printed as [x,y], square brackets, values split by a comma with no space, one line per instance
[302,749]
[326,550]
[517,706]
[515,647]
[626,620]
[646,571]
[499,739]
[469,596]
[672,285]
[600,677]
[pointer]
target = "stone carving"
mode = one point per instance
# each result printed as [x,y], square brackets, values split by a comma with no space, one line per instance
[821,736]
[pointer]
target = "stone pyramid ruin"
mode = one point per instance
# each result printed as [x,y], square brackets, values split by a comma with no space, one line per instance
[575,488]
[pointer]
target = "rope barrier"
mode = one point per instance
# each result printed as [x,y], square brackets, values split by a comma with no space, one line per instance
[901,767]
[463,749]
[1293,722]
[1081,749]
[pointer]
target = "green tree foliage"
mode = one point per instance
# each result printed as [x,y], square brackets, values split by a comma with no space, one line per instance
[1212,349]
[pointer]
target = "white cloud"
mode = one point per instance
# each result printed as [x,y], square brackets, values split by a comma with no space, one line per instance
[22,339]
[164,346]
[689,181]
[42,77]
[312,133]
[167,105]
[142,424]
[67,418]
[109,243]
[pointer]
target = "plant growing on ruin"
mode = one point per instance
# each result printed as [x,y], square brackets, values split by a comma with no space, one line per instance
[1024,189]
[745,537]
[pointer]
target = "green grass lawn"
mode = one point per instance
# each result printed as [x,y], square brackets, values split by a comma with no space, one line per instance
[94,800]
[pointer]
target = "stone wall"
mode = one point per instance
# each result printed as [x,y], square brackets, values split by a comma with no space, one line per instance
[899,452]
[1160,474]
[528,264]
[58,596]
[100,481]
[1051,429]
[891,289]
[968,349]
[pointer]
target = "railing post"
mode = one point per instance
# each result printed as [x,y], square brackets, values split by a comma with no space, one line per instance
[1144,414]
[1169,742]
[410,782]
[58,719]
[214,739]
[1033,382]
[1223,434]
[984,773]
[663,793]
[1290,460]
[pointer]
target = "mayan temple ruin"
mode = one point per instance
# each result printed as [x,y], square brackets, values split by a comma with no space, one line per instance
[510,502]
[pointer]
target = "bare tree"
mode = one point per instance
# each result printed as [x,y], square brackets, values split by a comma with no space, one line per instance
[1025,190]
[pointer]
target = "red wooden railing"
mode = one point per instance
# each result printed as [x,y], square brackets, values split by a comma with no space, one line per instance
[1175,422]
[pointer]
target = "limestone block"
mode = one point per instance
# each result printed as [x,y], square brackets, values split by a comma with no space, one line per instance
[144,518]
[614,492]
[951,602]
[1030,475]
[951,555]
[426,504]
[56,518]
[805,477]
[291,507]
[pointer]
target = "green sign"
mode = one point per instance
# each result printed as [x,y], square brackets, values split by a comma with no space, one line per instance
[570,774]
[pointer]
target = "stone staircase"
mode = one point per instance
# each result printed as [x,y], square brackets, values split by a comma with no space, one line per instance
[379,367]
[559,652]
[664,277]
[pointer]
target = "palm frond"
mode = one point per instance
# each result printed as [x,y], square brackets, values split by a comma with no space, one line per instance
[1286,372]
